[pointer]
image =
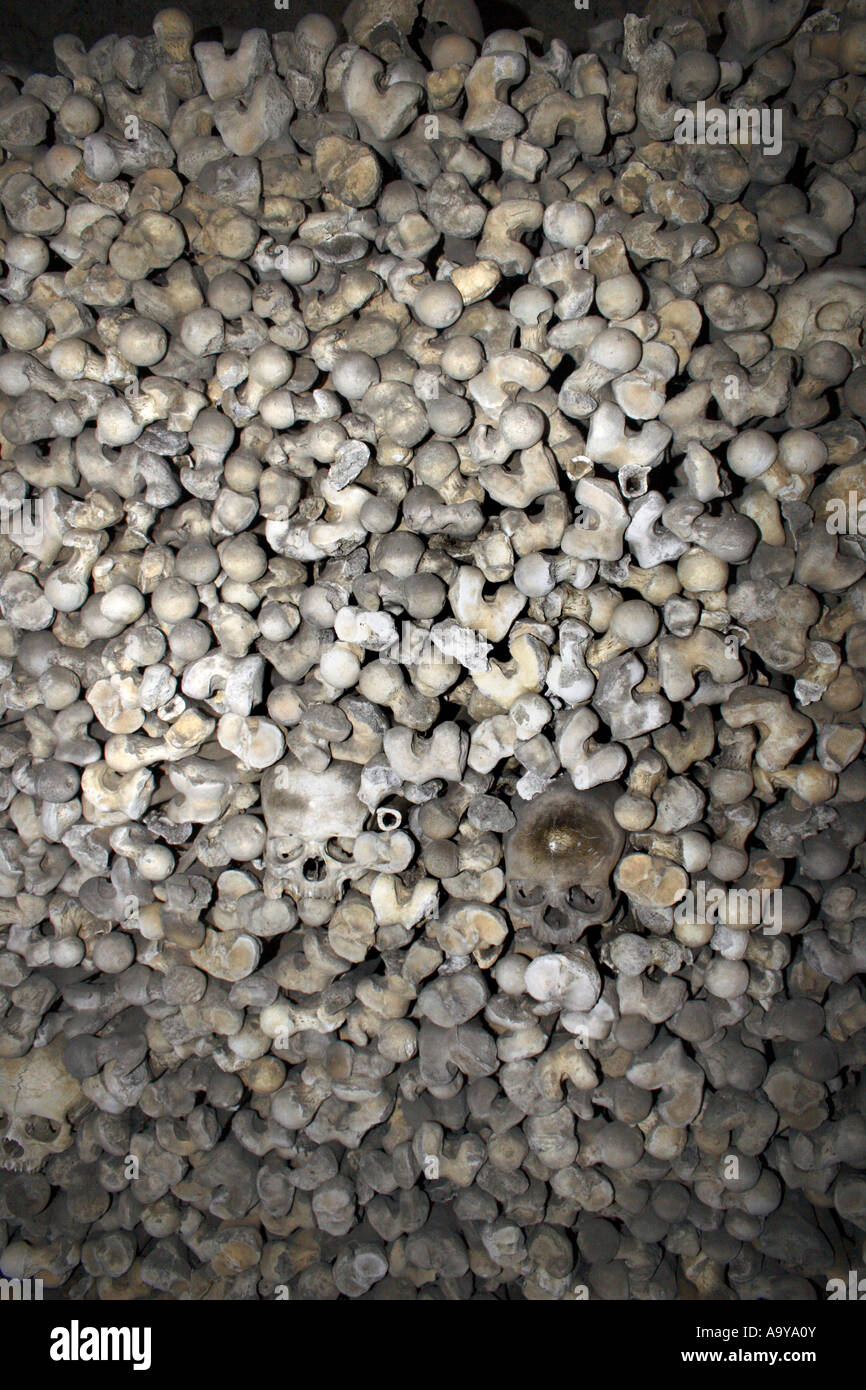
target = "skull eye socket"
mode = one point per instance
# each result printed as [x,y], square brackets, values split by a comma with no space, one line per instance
[42,1130]
[528,896]
[287,849]
[341,850]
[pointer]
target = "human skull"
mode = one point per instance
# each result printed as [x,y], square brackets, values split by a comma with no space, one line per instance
[313,820]
[558,861]
[36,1095]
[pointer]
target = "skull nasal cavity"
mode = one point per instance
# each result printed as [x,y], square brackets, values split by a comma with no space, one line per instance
[314,870]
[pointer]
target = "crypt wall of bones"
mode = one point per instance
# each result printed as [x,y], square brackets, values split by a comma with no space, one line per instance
[432,658]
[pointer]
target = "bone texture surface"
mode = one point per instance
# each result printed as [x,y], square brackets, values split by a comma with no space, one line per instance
[433,658]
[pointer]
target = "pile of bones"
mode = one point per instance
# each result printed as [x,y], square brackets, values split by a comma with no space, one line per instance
[432,658]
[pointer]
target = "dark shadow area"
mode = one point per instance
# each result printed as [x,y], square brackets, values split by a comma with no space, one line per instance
[27,30]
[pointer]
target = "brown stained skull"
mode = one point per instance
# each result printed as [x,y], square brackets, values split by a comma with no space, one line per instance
[36,1095]
[559,858]
[313,820]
